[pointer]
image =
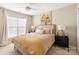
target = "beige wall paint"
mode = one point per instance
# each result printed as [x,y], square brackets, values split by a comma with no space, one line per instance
[37,20]
[65,16]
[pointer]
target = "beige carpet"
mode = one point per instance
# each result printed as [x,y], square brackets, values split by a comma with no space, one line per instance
[55,50]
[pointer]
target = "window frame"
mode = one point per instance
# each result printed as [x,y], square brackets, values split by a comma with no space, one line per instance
[17,27]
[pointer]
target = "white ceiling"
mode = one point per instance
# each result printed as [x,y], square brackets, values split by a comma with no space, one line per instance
[20,7]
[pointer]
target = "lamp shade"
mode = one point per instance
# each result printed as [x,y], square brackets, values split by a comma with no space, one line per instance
[32,27]
[59,27]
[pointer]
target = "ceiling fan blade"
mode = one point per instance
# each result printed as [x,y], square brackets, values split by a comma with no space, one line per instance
[29,7]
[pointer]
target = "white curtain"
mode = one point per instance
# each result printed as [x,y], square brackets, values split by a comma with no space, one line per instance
[3,39]
[29,23]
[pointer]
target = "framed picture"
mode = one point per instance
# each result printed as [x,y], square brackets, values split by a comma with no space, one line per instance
[45,20]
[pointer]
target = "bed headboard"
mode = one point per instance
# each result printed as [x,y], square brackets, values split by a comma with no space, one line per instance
[50,26]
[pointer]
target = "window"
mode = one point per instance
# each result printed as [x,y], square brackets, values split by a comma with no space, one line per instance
[15,26]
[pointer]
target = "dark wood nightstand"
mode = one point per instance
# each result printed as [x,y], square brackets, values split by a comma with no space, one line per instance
[62,41]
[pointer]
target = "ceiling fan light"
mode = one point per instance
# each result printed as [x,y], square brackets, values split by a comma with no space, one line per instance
[29,8]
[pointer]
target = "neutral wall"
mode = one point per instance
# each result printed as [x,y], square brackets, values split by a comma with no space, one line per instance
[36,19]
[65,16]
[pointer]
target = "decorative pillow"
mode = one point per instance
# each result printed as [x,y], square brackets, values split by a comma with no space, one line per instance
[47,31]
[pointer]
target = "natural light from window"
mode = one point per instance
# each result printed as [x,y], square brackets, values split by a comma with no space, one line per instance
[15,26]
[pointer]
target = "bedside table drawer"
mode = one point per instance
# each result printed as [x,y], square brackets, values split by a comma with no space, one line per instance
[62,41]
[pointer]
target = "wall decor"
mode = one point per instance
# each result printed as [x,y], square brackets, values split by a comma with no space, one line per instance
[46,18]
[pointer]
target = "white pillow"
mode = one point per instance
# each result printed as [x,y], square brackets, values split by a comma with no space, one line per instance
[39,31]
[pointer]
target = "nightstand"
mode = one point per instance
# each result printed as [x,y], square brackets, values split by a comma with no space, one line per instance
[62,41]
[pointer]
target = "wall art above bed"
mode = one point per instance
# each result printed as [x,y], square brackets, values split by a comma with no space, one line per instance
[46,18]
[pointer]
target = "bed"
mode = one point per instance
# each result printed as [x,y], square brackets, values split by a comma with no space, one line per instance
[37,43]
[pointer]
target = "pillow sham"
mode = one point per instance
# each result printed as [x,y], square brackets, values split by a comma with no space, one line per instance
[47,31]
[39,31]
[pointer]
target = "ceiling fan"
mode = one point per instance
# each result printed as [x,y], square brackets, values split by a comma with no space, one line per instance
[29,7]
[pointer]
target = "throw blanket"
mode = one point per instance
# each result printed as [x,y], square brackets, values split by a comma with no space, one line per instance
[33,44]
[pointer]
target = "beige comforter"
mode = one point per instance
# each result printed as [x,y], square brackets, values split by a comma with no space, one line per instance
[34,44]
